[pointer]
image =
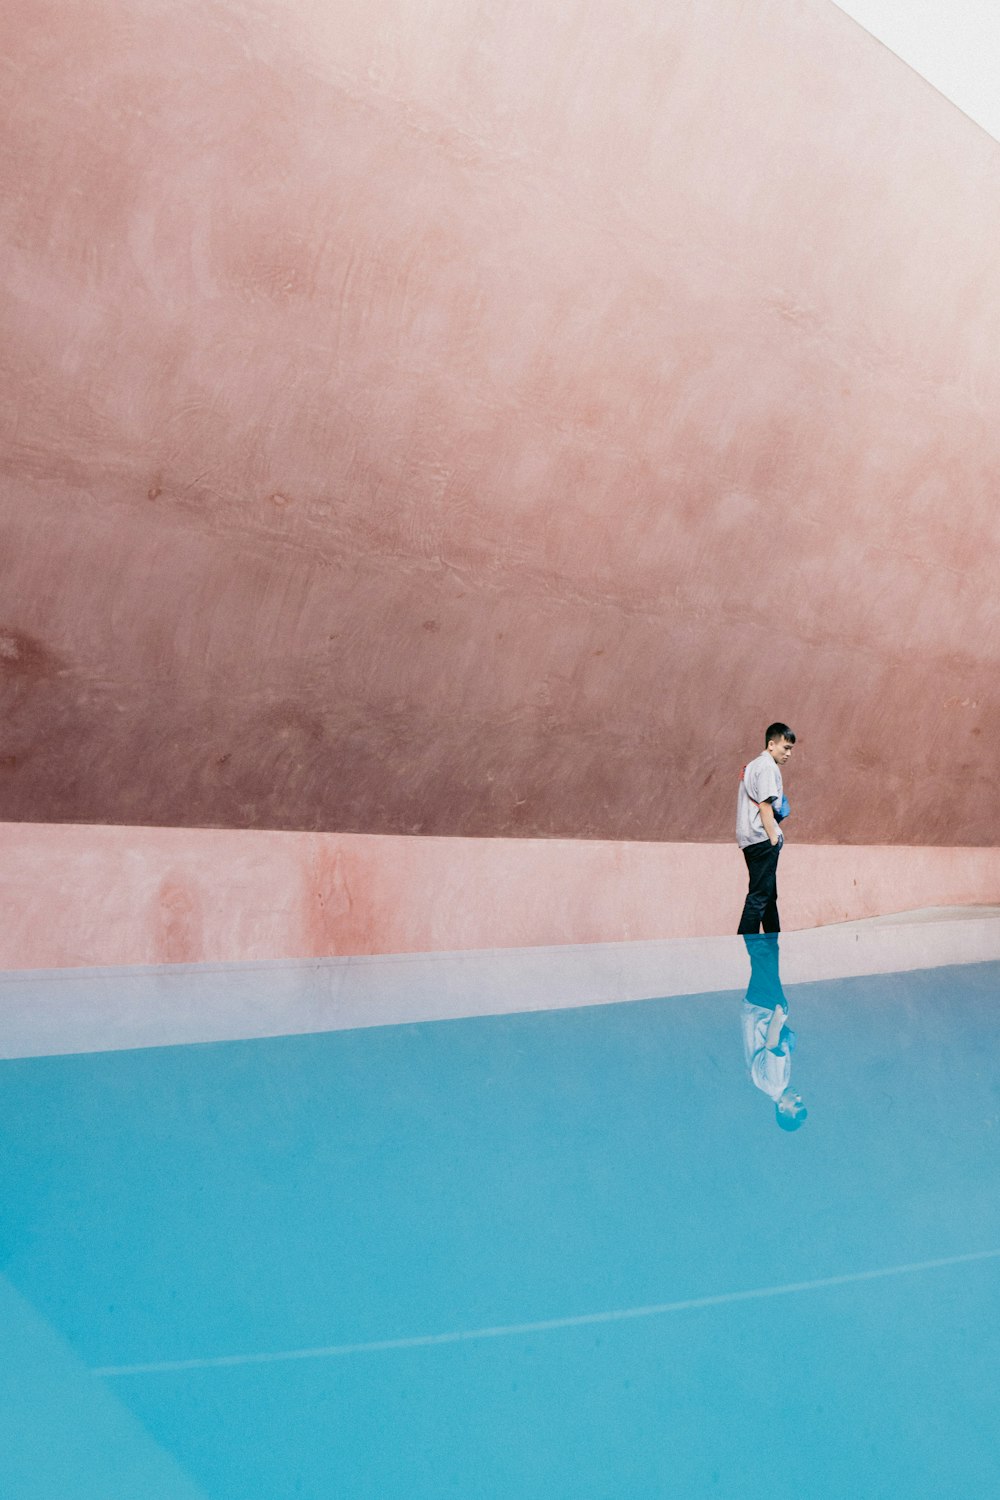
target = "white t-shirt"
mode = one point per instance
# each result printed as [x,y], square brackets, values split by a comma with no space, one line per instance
[770,1071]
[760,782]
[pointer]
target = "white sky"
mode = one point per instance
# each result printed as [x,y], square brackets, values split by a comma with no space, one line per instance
[954,44]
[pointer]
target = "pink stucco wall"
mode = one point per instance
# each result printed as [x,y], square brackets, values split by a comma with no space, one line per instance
[94,896]
[482,419]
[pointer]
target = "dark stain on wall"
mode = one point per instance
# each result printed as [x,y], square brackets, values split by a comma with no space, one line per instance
[23,658]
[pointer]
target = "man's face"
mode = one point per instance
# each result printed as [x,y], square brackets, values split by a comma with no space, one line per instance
[780,750]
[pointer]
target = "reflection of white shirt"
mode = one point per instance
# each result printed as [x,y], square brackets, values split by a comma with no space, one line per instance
[760,782]
[770,1071]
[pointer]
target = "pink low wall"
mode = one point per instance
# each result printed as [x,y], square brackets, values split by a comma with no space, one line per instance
[76,895]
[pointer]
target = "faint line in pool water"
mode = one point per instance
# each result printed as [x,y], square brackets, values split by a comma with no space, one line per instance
[548,1325]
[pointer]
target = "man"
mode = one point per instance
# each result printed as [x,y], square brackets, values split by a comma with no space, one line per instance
[759,805]
[768,1041]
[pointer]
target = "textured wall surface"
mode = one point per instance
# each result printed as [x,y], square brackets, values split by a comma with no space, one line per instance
[481,419]
[79,896]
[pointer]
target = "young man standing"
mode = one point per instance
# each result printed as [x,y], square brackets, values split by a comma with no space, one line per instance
[758,809]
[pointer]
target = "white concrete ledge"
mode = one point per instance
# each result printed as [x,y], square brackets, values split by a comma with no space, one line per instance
[46,1012]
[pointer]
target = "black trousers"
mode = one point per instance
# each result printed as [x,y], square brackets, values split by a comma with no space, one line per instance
[761,905]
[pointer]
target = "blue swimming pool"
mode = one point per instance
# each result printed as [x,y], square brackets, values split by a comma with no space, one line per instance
[561,1254]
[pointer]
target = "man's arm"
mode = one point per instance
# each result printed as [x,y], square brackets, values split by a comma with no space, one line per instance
[769,821]
[778,1019]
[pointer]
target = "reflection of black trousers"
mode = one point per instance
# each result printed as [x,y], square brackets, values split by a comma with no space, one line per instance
[765,972]
[761,905]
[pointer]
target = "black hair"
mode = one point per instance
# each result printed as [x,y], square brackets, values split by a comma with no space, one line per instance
[791,1120]
[779,732]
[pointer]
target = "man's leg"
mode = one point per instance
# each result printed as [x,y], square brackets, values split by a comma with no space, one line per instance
[764,988]
[771,919]
[761,904]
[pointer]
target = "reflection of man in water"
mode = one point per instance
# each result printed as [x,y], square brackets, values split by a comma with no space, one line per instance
[760,806]
[768,1042]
